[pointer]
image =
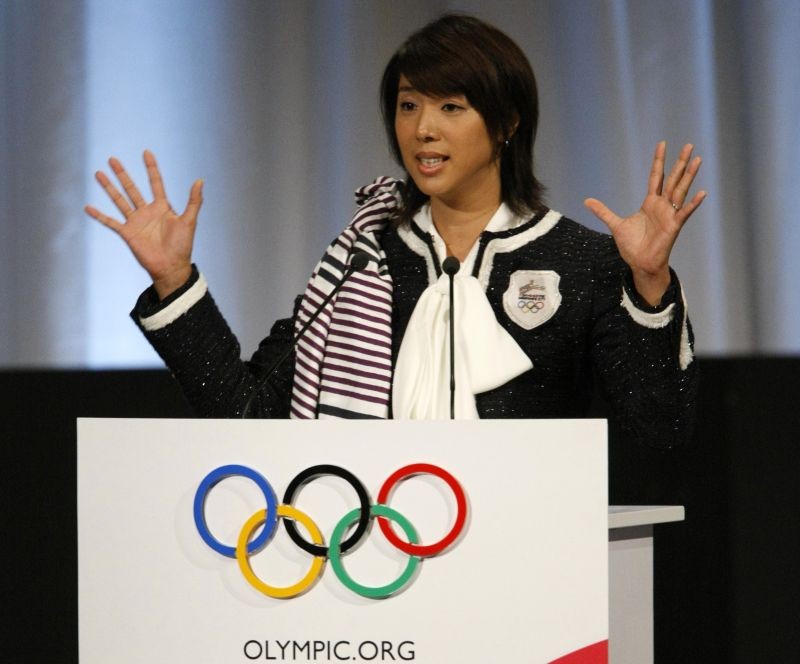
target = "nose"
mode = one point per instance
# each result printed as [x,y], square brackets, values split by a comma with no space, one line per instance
[426,126]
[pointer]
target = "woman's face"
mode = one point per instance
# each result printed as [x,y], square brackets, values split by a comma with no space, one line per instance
[446,149]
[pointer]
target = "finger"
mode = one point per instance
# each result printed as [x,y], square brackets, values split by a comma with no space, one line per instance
[656,179]
[114,194]
[154,175]
[603,213]
[104,219]
[127,184]
[195,201]
[677,173]
[687,210]
[685,183]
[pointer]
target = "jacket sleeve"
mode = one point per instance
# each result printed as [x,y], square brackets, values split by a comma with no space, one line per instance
[643,356]
[190,334]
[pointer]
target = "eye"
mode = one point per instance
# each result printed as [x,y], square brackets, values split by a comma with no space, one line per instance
[406,105]
[451,107]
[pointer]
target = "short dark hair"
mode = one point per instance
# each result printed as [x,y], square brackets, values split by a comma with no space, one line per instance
[459,54]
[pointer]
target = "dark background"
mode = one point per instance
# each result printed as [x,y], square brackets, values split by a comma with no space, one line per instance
[726,580]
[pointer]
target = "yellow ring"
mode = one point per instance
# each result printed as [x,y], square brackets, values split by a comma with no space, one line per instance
[286,592]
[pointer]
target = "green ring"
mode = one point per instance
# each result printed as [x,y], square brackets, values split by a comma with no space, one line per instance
[335,555]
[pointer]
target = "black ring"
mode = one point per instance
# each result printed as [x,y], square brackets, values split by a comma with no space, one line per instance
[312,473]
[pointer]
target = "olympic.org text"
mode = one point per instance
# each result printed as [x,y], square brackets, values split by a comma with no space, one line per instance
[328,651]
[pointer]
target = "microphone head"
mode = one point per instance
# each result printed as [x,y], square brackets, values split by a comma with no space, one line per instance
[359,260]
[450,265]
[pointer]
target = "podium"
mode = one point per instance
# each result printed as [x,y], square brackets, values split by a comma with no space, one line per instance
[171,566]
[630,569]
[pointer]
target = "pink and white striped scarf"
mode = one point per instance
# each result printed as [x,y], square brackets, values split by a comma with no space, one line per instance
[343,364]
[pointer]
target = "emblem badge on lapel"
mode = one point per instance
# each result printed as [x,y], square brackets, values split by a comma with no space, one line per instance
[532,297]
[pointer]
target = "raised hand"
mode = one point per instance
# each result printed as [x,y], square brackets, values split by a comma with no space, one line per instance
[160,239]
[645,238]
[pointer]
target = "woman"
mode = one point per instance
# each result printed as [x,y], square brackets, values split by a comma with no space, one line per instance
[546,306]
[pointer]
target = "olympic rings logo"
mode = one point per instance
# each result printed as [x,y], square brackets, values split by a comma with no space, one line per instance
[530,305]
[340,542]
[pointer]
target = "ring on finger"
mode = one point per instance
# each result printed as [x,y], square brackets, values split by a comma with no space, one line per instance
[675,206]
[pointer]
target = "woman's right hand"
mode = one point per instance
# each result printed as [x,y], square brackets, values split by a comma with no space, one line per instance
[160,239]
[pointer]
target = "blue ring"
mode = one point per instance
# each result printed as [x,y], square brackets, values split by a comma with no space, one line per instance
[214,478]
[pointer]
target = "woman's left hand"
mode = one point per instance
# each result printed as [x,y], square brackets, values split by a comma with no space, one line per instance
[645,238]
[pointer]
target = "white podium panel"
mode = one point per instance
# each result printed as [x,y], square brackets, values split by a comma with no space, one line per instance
[170,513]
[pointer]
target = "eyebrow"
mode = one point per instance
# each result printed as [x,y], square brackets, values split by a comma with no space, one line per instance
[406,88]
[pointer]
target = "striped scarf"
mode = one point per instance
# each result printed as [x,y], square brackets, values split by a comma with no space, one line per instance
[343,364]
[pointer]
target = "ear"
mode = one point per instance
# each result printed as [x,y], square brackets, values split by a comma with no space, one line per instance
[504,137]
[513,131]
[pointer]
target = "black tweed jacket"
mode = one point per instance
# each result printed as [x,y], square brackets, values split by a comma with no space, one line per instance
[644,367]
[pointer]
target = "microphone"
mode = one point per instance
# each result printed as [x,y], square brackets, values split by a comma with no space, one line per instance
[358,261]
[451,266]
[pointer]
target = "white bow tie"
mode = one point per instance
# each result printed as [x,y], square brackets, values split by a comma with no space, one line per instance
[486,356]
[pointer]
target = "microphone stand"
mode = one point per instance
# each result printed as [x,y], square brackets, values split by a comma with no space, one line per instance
[451,266]
[358,261]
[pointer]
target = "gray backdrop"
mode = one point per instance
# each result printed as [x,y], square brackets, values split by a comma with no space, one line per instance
[275,105]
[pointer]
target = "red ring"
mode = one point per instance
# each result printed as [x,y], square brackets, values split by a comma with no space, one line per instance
[461,515]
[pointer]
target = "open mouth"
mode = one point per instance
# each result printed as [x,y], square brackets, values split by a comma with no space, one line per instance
[430,164]
[432,161]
